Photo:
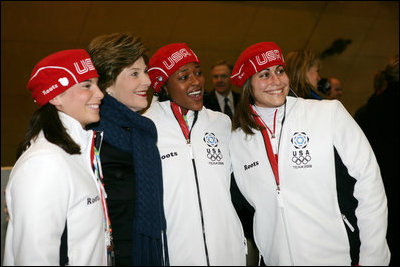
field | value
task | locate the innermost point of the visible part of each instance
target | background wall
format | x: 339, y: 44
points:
x: 5, y: 173
x: 30, y: 30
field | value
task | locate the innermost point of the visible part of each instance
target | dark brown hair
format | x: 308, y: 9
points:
x: 46, y: 118
x: 243, y: 115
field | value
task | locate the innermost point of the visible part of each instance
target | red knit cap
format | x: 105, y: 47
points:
x: 256, y: 58
x: 166, y: 61
x: 59, y: 71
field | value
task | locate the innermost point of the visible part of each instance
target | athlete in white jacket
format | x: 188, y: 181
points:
x: 53, y: 193
x: 202, y: 225
x: 286, y: 170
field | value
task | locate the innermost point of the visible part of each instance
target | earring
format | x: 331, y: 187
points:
x: 109, y: 92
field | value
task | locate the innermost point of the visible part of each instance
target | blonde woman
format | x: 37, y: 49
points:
x: 302, y: 68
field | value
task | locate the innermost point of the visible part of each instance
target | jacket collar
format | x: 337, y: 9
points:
x: 80, y: 136
x: 290, y: 103
x: 166, y: 107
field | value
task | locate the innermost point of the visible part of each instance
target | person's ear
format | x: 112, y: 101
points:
x: 110, y: 90
x: 165, y: 89
x: 56, y: 101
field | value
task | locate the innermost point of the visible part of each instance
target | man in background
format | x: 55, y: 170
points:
x: 379, y: 119
x: 221, y: 98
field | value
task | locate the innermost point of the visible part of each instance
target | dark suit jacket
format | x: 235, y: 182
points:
x: 210, y: 100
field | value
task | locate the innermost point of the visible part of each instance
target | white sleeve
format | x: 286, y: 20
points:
x: 37, y: 198
x: 356, y: 153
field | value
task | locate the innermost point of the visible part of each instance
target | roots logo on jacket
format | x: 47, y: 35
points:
x: 301, y: 157
x: 92, y: 200
x: 214, y: 154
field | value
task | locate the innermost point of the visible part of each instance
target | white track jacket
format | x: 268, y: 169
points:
x: 303, y: 224
x: 197, y: 189
x: 48, y: 187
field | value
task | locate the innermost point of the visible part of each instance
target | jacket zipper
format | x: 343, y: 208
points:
x: 186, y: 130
x: 280, y: 202
x: 281, y: 206
x: 348, y: 223
x: 199, y: 200
x: 163, y: 248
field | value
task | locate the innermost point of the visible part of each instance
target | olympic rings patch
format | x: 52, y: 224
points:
x: 301, y: 157
x: 214, y: 154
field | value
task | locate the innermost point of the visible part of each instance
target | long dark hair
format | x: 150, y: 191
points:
x: 243, y: 117
x: 46, y: 118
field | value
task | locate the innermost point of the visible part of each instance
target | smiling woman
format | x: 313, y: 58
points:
x: 282, y: 151
x: 54, y: 172
x: 203, y: 227
x: 186, y: 87
x: 131, y: 86
x: 129, y: 155
x: 80, y: 102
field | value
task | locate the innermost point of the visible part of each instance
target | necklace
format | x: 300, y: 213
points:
x: 182, y: 120
x: 273, y: 158
x: 96, y: 164
x: 265, y: 125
